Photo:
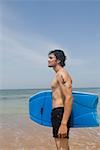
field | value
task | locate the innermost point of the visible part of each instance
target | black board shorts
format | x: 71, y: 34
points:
x: 56, y: 118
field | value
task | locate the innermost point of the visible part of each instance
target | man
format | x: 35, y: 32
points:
x: 61, y: 99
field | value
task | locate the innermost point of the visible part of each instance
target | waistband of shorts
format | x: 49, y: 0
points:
x: 57, y: 108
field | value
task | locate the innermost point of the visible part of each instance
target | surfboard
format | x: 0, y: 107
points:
x: 84, y: 109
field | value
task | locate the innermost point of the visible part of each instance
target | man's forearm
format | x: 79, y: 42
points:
x: 67, y: 110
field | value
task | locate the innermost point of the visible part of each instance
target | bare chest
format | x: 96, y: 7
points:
x: 54, y: 83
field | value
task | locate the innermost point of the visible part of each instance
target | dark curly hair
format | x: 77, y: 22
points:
x: 59, y: 55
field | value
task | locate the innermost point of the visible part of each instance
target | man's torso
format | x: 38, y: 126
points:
x: 57, y: 95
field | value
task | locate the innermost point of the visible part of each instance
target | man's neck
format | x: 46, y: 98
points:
x: 57, y: 68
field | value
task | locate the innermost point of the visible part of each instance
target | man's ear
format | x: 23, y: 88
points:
x: 58, y: 61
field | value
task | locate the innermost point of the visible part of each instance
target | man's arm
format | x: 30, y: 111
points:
x: 66, y: 88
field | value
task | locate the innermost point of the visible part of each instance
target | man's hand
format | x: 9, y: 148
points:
x: 62, y: 132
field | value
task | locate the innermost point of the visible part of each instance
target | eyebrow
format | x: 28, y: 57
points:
x: 51, y: 57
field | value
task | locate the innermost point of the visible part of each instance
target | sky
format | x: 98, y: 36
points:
x: 30, y: 29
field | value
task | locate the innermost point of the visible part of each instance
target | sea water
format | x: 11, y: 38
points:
x: 13, y: 101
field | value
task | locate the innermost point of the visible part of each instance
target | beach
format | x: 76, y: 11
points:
x: 19, y: 132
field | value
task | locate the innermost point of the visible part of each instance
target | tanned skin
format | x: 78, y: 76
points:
x: 61, y: 97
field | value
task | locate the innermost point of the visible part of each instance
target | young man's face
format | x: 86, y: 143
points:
x: 52, y: 61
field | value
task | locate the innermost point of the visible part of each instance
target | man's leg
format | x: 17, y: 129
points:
x: 57, y: 141
x: 62, y: 143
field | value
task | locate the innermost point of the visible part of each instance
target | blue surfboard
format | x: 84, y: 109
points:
x: 84, y: 110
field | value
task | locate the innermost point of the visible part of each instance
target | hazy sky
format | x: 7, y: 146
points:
x: 30, y: 29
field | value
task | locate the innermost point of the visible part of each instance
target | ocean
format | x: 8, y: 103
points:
x: 18, y: 132
x: 14, y: 101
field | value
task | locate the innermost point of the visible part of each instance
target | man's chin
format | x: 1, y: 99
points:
x: 50, y: 66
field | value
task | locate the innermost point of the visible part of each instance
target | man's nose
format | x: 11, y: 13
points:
x: 48, y: 59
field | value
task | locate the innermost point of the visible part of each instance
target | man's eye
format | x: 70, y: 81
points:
x: 50, y: 57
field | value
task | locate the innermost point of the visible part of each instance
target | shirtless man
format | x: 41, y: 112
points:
x: 61, y: 99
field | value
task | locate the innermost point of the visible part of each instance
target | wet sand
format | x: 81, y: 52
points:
x: 18, y: 132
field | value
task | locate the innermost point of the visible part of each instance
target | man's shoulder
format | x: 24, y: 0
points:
x: 66, y: 75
